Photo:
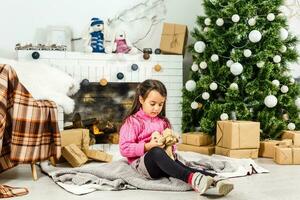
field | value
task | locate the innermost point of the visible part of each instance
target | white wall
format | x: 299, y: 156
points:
x: 20, y: 20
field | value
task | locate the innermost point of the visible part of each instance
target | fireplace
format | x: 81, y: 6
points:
x: 102, y: 108
x: 134, y: 69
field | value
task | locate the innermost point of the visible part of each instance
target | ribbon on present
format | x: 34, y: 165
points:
x: 174, y: 35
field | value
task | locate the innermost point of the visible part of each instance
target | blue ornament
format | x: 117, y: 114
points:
x: 134, y: 67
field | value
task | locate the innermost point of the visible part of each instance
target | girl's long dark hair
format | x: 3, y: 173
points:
x: 143, y: 90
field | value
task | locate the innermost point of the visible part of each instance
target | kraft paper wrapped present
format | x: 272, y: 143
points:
x: 73, y: 154
x: 208, y: 150
x: 267, y: 147
x: 238, y: 134
x: 79, y: 137
x: 98, y: 155
x: 173, y: 39
x: 196, y: 139
x: 294, y: 135
x: 237, y: 153
x: 287, y: 155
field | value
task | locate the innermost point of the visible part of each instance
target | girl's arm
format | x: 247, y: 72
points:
x: 128, y: 144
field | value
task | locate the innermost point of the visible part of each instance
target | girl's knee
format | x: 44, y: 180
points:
x: 156, y: 151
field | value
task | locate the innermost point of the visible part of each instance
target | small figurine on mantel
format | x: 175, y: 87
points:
x: 95, y: 41
x: 121, y: 44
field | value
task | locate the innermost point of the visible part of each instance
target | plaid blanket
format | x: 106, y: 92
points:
x: 28, y: 128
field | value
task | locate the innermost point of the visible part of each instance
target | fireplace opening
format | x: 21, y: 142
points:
x: 101, y: 109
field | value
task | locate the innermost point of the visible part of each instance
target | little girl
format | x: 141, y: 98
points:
x: 145, y: 155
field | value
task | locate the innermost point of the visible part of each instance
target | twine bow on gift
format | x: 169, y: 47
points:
x: 174, y: 41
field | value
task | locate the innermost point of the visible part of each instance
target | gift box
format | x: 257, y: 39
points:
x: 294, y: 135
x: 79, y: 137
x: 238, y: 134
x: 237, y: 153
x: 98, y: 155
x: 208, y: 150
x: 173, y: 39
x: 113, y: 138
x: 287, y: 155
x: 196, y: 139
x: 267, y: 147
x: 73, y: 154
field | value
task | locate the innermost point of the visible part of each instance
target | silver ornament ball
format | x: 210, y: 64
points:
x: 203, y: 65
x: 236, y: 68
x: 270, y: 101
x: 190, y: 85
x: 255, y: 36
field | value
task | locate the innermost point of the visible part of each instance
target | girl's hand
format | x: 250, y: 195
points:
x: 153, y: 143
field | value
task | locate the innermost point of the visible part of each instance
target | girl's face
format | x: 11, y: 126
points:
x: 153, y: 103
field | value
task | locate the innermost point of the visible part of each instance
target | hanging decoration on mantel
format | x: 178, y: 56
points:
x: 139, y: 20
x: 103, y: 82
x: 157, y: 67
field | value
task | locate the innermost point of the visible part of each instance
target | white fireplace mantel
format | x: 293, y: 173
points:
x: 97, y: 66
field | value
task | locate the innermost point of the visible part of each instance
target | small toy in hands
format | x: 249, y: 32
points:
x: 96, y: 35
x: 168, y: 138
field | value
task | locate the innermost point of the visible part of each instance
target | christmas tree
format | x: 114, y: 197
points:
x: 240, y: 69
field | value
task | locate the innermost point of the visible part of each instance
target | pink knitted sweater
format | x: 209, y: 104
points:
x: 136, y: 131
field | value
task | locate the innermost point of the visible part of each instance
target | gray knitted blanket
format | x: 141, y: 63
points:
x: 117, y: 175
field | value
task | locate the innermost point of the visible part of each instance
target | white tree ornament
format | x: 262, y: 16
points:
x: 270, y: 101
x: 190, y: 85
x: 254, y: 36
x: 291, y: 126
x: 292, y: 80
x: 283, y: 49
x: 194, y: 105
x: 236, y: 68
x: 213, y: 86
x: 229, y: 63
x: 214, y: 58
x: 297, y: 102
x: 205, y: 95
x: 234, y: 86
x: 203, y: 65
x: 247, y: 53
x: 276, y: 83
x: 260, y: 64
x: 224, y: 116
x: 277, y: 59
x: 199, y: 46
x: 252, y: 21
x: 283, y: 34
x: 205, y: 29
x: 284, y: 89
x: 195, y: 67
x: 220, y: 22
x: 207, y: 21
x: 235, y: 18
x: 270, y: 17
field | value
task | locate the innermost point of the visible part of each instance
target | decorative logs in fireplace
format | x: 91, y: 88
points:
x: 100, y: 131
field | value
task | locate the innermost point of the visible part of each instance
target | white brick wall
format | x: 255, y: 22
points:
x: 97, y: 66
